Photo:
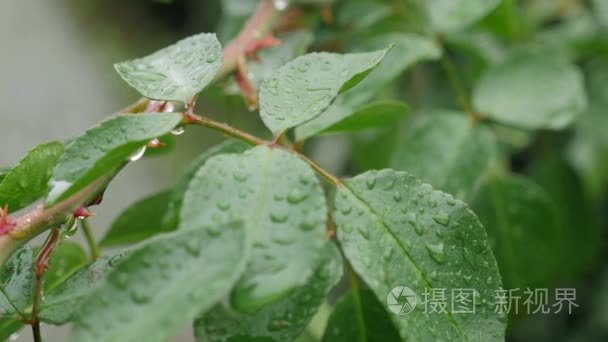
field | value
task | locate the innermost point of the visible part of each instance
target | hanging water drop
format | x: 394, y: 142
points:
x: 179, y: 130
x: 71, y: 228
x: 138, y: 154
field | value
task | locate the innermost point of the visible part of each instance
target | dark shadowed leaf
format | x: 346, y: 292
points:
x: 360, y: 316
x: 448, y: 151
x: 140, y: 221
x: 520, y: 217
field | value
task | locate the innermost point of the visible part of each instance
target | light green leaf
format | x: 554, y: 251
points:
x: 62, y: 302
x: 601, y: 11
x: 281, y: 321
x: 531, y: 91
x: 452, y: 15
x: 447, y: 150
x: 28, y: 180
x: 293, y: 44
x: 163, y: 284
x: 171, y: 216
x: 358, y: 316
x: 67, y: 257
x: 139, y: 221
x: 408, y: 50
x: 520, y: 217
x: 340, y: 117
x: 176, y: 73
x: 16, y: 281
x: 303, y: 88
x: 283, y: 205
x: 397, y: 231
x: 104, y: 148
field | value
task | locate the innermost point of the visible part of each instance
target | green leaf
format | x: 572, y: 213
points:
x: 293, y: 44
x: 343, y: 118
x: 408, y: 49
x: 516, y: 92
x: 104, y: 148
x: 67, y: 258
x: 16, y: 281
x: 139, y: 221
x: 62, y: 302
x: 303, y: 88
x: 520, y: 218
x: 282, y: 203
x: 447, y: 150
x: 281, y: 321
x: 163, y: 284
x: 359, y: 316
x: 453, y: 15
x: 582, y: 233
x: 8, y: 327
x: 176, y: 73
x: 601, y: 11
x: 171, y: 217
x: 28, y: 180
x: 3, y: 173
x: 397, y: 231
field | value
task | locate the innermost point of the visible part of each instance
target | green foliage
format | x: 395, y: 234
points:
x: 476, y: 158
x: 508, y: 94
x: 360, y: 315
x: 306, y: 86
x: 28, y: 180
x: 105, y: 148
x: 138, y: 222
x: 283, y: 320
x: 447, y: 150
x: 281, y: 202
x: 178, y: 72
x: 147, y: 310
x: 396, y: 230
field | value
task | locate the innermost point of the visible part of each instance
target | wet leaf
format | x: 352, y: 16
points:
x: 176, y: 73
x: 28, y: 180
x: 281, y: 321
x: 104, y: 148
x: 303, y: 88
x: 397, y: 231
x: 16, y: 281
x: 280, y: 200
x: 163, y: 284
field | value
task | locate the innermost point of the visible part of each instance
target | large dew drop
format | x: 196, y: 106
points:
x: 138, y: 154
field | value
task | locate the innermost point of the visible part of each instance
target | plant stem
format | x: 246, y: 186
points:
x: 251, y: 139
x: 457, y: 84
x: 88, y: 234
x: 42, y: 261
